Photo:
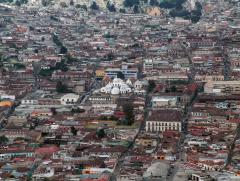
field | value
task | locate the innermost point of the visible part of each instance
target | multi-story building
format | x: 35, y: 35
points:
x: 125, y: 70
x: 222, y: 87
x: 164, y: 101
x: 162, y: 120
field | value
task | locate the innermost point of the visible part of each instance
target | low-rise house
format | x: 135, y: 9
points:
x: 10, y: 153
x: 146, y: 141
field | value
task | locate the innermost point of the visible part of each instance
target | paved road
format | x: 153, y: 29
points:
x: 86, y: 95
x: 141, y: 127
x: 180, y: 147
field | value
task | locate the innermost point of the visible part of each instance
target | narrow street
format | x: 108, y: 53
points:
x: 126, y: 153
x: 188, y: 109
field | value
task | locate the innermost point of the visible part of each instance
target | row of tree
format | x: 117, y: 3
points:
x: 17, y: 2
x: 111, y: 7
x: 62, y: 88
x: 20, y: 2
x: 193, y: 15
x: 169, y: 4
x: 59, y: 66
x: 56, y: 40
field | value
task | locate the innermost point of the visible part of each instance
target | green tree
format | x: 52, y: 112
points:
x: 94, y: 6
x: 46, y: 72
x: 3, y: 140
x: 31, y: 28
x: 74, y: 130
x: 77, y: 110
x: 109, y: 57
x: 128, y: 111
x: 70, y: 59
x: 84, y: 7
x: 100, y: 133
x: 111, y: 7
x: 63, y: 5
x: 19, y: 139
x: 62, y: 88
x: 56, y: 40
x: 180, y: 13
x: 81, y: 6
x: 151, y: 85
x: 154, y: 3
x: 81, y: 167
x: 122, y: 10
x: 18, y: 3
x: 130, y: 3
x: 54, y: 18
x: 71, y: 3
x: 46, y: 2
x: 166, y: 5
x: 198, y: 5
x: 196, y: 14
x: 120, y: 75
x: 61, y: 66
x: 63, y: 50
x: 24, y: 1
x: 53, y: 110
x: 19, y: 66
x: 136, y: 9
x: 173, y: 88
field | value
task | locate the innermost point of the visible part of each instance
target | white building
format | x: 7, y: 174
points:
x: 222, y: 87
x: 6, y: 96
x: 116, y: 87
x: 163, y: 120
x: 69, y: 99
x: 162, y: 101
x: 197, y: 142
x: 125, y: 70
x: 121, y: 87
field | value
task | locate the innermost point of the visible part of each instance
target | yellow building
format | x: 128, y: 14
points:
x: 100, y: 73
x: 146, y: 141
x: 6, y: 104
x: 154, y: 11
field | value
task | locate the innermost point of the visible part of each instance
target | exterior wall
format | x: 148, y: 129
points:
x: 203, y: 78
x: 15, y: 154
x: 100, y: 73
x: 155, y: 11
x: 146, y: 142
x: 127, y: 73
x: 29, y: 102
x: 154, y: 126
x: 69, y: 99
x: 162, y: 103
x: 232, y: 87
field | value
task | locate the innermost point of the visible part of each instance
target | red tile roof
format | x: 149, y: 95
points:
x: 47, y: 150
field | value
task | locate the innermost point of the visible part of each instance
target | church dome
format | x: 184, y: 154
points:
x: 103, y: 89
x: 115, y: 91
x: 129, y: 82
